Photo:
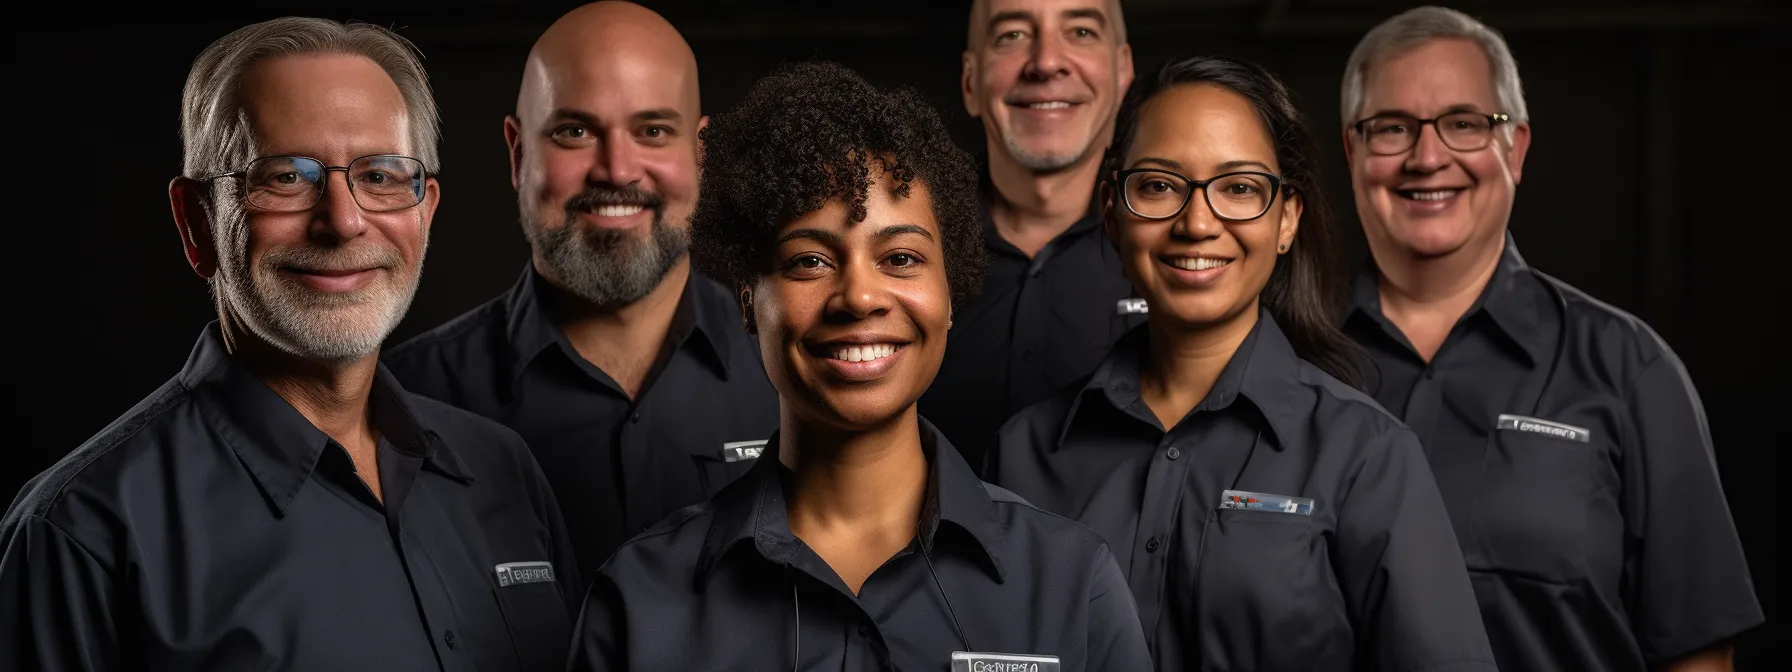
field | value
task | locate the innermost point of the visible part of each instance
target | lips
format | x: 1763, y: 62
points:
x: 1198, y: 263
x: 1428, y: 194
x: 860, y: 358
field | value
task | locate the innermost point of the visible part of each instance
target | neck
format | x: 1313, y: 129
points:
x: 1032, y: 207
x: 578, y: 317
x: 861, y: 480
x: 333, y: 396
x: 1425, y: 296
x: 1185, y: 362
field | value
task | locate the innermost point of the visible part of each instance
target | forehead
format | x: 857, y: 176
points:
x: 1041, y: 9
x: 611, y: 83
x: 1432, y: 77
x: 330, y: 106
x: 1201, y: 126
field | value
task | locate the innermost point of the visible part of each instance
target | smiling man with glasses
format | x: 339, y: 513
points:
x: 1568, y: 442
x: 283, y: 503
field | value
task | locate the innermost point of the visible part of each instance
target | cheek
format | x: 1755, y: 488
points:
x: 674, y: 174
x: 557, y: 174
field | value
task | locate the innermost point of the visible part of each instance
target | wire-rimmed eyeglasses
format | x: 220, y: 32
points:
x: 1154, y: 193
x: 378, y: 182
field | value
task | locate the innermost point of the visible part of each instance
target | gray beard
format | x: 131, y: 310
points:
x: 1045, y: 162
x: 607, y: 267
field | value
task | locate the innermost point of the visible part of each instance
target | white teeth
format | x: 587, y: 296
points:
x: 617, y: 210
x: 1431, y: 195
x: 1199, y: 263
x: 1055, y: 105
x: 864, y: 353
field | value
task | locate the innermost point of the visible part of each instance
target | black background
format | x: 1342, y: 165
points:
x: 1652, y: 182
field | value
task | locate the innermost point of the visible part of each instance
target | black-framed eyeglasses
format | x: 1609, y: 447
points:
x: 1153, y: 193
x: 1390, y: 134
x: 378, y: 182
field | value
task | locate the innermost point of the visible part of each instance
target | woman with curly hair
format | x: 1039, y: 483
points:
x: 847, y: 220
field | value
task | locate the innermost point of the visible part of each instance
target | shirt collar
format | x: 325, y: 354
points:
x: 1091, y: 220
x: 698, y: 322
x: 278, y: 446
x: 1265, y: 371
x: 1511, y: 301
x: 753, y: 508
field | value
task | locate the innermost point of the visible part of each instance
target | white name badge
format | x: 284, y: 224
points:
x: 737, y: 451
x: 978, y: 661
x: 1523, y: 423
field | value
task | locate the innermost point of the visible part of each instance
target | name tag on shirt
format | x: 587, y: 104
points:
x: 1132, y: 307
x: 518, y: 573
x: 1257, y: 501
x: 742, y: 450
x: 978, y: 661
x: 1521, y: 423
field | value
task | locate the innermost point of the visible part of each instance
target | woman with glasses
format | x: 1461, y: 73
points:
x: 860, y: 540
x: 1268, y: 515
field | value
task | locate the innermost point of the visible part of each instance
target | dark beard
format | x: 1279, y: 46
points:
x: 604, y: 266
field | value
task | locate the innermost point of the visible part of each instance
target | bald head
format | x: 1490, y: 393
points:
x: 603, y: 151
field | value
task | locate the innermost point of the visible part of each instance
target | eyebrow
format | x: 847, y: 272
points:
x: 999, y: 18
x: 1087, y: 13
x: 895, y: 230
x: 833, y: 239
x: 1459, y: 107
x: 1221, y: 168
x: 583, y: 117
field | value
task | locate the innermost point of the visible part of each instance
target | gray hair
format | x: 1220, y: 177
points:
x: 1414, y: 27
x: 214, y: 131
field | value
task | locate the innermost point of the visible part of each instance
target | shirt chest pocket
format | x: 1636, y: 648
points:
x: 1265, y: 596
x: 1530, y: 516
x: 540, y: 628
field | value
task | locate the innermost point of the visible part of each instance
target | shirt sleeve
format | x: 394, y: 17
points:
x: 1401, y: 569
x: 1686, y: 568
x: 56, y: 602
x: 600, y: 640
x: 1116, y: 640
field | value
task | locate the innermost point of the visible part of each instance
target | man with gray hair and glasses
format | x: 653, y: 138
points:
x: 283, y: 503
x: 1565, y: 435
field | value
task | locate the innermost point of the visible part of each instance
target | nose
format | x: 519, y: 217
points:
x: 1197, y: 221
x: 618, y: 161
x: 862, y: 292
x: 1428, y: 154
x: 337, y: 217
x: 1047, y: 59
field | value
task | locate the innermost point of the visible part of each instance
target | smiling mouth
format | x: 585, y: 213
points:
x: 1197, y: 263
x: 863, y: 353
x: 617, y: 209
x: 1427, y: 194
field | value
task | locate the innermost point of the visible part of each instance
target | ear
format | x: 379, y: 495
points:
x: 747, y: 319
x: 432, y: 196
x: 1124, y: 66
x: 186, y: 197
x: 1521, y: 145
x: 969, y: 75
x: 702, y: 123
x: 513, y: 139
x: 1110, y: 220
x: 1292, y: 207
x: 1349, y: 149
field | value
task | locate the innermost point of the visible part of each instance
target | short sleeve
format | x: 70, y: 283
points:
x: 1116, y: 640
x: 1402, y: 571
x: 600, y: 640
x: 1688, y: 575
x: 56, y: 602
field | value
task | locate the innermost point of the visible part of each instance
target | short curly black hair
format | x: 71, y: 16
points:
x: 806, y: 135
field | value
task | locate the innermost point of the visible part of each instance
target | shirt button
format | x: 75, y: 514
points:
x: 864, y: 631
x: 635, y: 417
x: 1151, y: 545
x: 448, y: 638
x: 1430, y: 373
x: 1173, y: 452
x: 1027, y: 354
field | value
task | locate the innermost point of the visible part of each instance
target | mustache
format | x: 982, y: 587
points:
x: 612, y: 194
x: 314, y: 258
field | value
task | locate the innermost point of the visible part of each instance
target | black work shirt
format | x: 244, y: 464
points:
x: 214, y: 527
x: 617, y: 465
x: 1589, y: 510
x: 1039, y: 324
x: 1370, y: 579
x: 725, y: 585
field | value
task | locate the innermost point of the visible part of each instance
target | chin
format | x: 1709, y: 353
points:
x: 1431, y: 238
x: 861, y: 411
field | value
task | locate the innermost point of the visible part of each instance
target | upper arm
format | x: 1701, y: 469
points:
x: 600, y: 640
x: 57, y: 601
x: 1688, y: 572
x: 1116, y: 639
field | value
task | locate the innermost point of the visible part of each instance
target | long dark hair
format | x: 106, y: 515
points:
x: 1308, y: 288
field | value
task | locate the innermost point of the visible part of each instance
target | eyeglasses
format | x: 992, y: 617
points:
x: 378, y: 183
x: 1391, y: 134
x: 1150, y: 193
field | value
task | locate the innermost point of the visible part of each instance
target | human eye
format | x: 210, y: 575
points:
x: 806, y: 265
x: 572, y: 135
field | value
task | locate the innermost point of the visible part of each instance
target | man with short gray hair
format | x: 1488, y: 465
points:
x: 1567, y: 440
x: 283, y: 503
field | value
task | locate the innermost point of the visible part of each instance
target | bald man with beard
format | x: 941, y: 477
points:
x: 627, y: 373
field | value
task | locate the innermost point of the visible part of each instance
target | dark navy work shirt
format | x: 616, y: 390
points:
x: 1572, y: 452
x: 1038, y: 324
x: 726, y: 585
x: 214, y: 527
x: 1368, y: 579
x: 618, y: 465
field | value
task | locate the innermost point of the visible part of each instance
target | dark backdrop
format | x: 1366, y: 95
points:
x: 1657, y: 130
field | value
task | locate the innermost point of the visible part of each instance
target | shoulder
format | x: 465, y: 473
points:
x: 1620, y: 338
x: 88, y: 491
x: 1065, y: 537
x: 1044, y: 418
x: 666, y: 549
x: 483, y: 443
x: 474, y: 330
x: 1337, y: 405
